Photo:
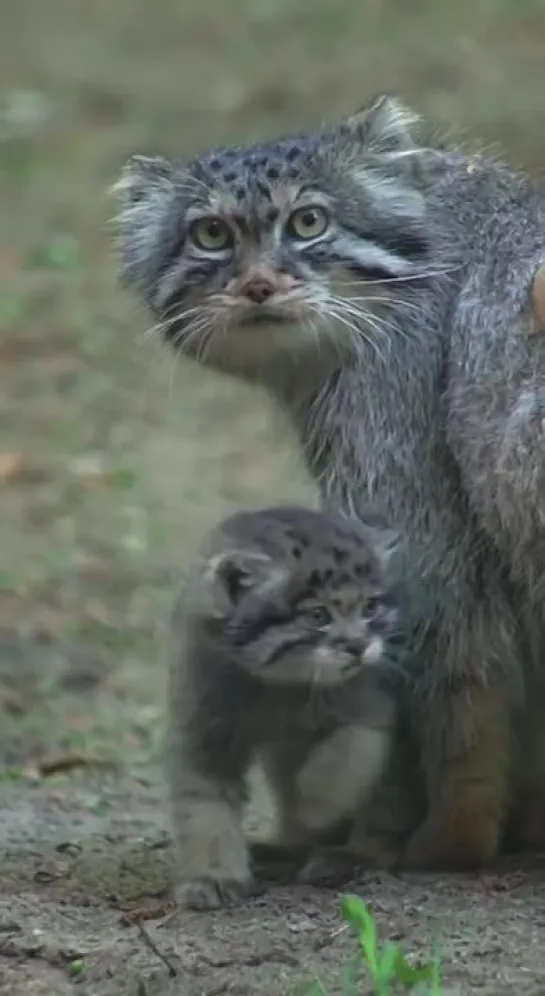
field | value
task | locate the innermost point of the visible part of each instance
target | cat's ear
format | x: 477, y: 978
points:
x: 386, y: 127
x: 143, y: 178
x: 234, y: 573
x: 145, y: 192
x: 386, y: 153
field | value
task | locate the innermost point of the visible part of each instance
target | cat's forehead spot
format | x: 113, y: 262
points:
x: 362, y: 570
x: 262, y: 167
x: 274, y: 161
x: 315, y: 579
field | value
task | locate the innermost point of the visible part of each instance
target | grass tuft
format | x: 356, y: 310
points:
x: 386, y: 966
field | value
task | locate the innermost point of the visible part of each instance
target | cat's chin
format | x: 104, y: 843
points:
x: 268, y: 353
x: 269, y: 318
x: 247, y: 348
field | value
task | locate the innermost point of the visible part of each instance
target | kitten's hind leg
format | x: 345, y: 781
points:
x: 338, y: 774
x: 318, y: 798
x: 279, y: 859
x: 287, y: 848
x: 377, y: 834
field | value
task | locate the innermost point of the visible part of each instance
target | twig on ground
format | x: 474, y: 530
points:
x: 58, y: 763
x: 150, y: 943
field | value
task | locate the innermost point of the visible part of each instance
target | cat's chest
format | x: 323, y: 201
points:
x: 281, y: 713
x: 293, y: 714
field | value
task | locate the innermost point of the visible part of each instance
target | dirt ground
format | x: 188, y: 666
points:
x: 114, y: 458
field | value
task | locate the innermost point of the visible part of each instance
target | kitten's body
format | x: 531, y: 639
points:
x: 413, y: 369
x: 256, y: 676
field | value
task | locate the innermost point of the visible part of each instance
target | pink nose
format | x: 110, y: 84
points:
x: 258, y: 289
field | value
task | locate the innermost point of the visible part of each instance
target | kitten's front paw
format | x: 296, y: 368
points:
x: 329, y: 867
x: 208, y: 894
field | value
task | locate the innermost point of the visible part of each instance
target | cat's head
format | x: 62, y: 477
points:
x: 319, y: 614
x: 287, y: 248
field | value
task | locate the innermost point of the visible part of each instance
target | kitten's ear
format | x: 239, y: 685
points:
x: 232, y: 574
x: 386, y: 127
x: 145, y: 192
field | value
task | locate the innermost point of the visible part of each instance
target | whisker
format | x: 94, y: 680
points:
x: 379, y: 323
x: 318, y: 337
x: 189, y: 333
x: 406, y: 278
x: 364, y: 315
x: 356, y: 331
x: 374, y: 299
x: 206, y: 342
x: 170, y: 319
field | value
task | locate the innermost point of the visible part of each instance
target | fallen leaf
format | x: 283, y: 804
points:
x: 12, y: 467
x: 155, y: 911
x: 57, y: 763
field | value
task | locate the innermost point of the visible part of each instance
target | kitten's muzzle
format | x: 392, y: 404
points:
x: 353, y: 647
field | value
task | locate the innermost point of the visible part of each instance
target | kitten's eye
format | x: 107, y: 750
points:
x: 372, y: 605
x: 308, y: 222
x: 211, y: 234
x: 319, y: 615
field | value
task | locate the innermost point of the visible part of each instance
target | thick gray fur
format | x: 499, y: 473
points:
x: 248, y: 683
x: 430, y: 409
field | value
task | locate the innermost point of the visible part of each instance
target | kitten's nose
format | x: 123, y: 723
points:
x: 354, y: 647
x: 258, y: 288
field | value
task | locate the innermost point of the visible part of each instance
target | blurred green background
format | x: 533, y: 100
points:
x: 113, y: 455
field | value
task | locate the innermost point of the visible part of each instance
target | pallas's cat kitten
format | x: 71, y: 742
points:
x: 280, y: 644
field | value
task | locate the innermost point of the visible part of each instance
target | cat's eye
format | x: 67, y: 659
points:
x: 211, y: 234
x: 309, y: 222
x: 372, y: 605
x: 319, y: 615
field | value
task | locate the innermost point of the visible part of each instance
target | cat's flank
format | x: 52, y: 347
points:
x: 279, y: 654
x: 380, y: 287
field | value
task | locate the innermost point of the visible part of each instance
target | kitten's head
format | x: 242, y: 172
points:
x: 310, y: 604
x: 284, y: 249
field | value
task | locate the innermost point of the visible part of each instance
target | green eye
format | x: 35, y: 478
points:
x: 308, y: 222
x: 211, y: 234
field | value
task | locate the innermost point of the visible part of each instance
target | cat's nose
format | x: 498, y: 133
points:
x: 258, y: 289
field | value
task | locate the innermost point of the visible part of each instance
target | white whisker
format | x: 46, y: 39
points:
x: 355, y: 330
x: 405, y: 279
x: 187, y: 335
x: 379, y: 323
x: 369, y: 299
